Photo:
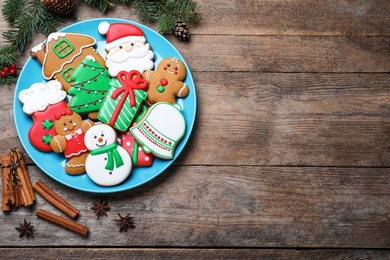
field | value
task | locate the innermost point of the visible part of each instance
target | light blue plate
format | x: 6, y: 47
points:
x: 52, y: 163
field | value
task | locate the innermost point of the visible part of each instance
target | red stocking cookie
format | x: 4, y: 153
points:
x: 42, y: 101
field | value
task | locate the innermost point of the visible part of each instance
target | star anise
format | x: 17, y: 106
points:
x: 25, y: 229
x: 100, y: 208
x: 126, y: 222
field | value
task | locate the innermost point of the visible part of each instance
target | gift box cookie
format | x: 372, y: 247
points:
x: 125, y: 97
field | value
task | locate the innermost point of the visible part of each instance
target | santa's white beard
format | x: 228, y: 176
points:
x: 139, y: 58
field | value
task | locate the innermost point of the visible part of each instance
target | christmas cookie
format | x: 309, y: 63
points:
x: 160, y: 130
x: 107, y: 164
x: 166, y: 83
x: 90, y: 86
x: 62, y: 53
x: 42, y: 101
x: 126, y: 48
x: 69, y: 140
x: 125, y: 97
x: 138, y: 156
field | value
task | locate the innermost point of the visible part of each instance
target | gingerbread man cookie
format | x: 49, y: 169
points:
x: 70, y: 129
x: 166, y: 83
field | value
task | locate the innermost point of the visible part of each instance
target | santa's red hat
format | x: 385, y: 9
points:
x: 119, y: 33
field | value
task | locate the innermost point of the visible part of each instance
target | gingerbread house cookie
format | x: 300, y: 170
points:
x: 62, y: 53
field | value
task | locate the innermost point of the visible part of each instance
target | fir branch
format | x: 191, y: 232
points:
x: 8, y: 55
x: 146, y: 9
x: 47, y: 24
x: 102, y: 5
x: 185, y: 10
x: 166, y: 22
x: 11, y: 9
x: 25, y: 27
x: 8, y: 80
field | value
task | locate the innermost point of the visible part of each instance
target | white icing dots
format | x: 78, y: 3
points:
x: 128, y: 143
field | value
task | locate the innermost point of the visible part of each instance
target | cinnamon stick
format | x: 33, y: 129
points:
x: 63, y: 222
x: 8, y: 192
x: 55, y: 199
x: 24, y: 191
x: 25, y: 173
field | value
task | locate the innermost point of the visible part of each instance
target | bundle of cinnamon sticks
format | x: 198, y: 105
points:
x: 16, y: 184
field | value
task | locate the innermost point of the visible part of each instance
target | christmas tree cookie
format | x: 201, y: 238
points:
x: 42, y: 101
x: 91, y: 83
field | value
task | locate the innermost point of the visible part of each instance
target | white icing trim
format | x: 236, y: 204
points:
x: 37, y: 48
x: 58, y: 143
x: 55, y: 36
x: 181, y: 90
x: 119, y: 41
x: 147, y: 75
x: 75, y: 165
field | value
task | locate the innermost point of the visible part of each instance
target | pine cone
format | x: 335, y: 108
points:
x: 181, y: 30
x: 61, y: 7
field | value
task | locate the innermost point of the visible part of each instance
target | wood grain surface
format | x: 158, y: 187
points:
x: 289, y: 157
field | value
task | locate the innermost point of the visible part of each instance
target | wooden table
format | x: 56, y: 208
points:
x: 289, y: 157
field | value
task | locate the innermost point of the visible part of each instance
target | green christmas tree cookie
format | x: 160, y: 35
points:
x: 91, y: 84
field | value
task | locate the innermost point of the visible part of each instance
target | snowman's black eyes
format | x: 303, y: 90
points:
x: 120, y: 47
x: 132, y: 44
x: 102, y: 135
x: 95, y: 136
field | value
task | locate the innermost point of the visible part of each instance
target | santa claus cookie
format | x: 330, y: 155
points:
x: 69, y: 140
x: 160, y: 130
x: 107, y: 164
x: 42, y: 101
x: 166, y: 83
x: 126, y: 48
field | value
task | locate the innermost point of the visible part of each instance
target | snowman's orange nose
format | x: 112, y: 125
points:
x: 100, y: 139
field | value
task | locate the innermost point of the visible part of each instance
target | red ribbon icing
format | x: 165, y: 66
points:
x: 131, y: 81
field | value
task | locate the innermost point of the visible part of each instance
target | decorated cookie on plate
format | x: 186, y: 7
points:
x: 166, y: 83
x: 107, y: 164
x: 126, y: 48
x: 90, y: 86
x: 124, y: 100
x: 138, y: 156
x: 160, y: 130
x: 42, y: 101
x: 70, y: 129
x: 62, y: 53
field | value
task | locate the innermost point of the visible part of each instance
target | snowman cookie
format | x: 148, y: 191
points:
x: 108, y: 164
x: 166, y: 83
